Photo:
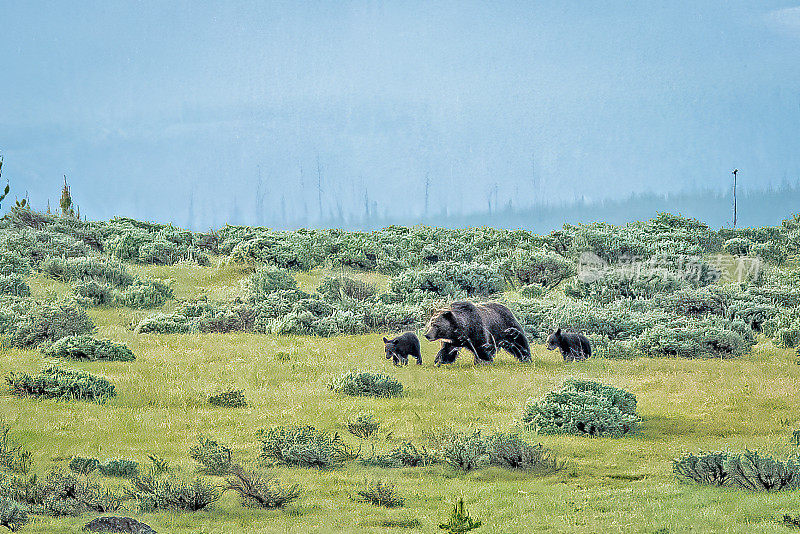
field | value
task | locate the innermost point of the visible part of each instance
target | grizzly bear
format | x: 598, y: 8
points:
x: 483, y: 329
x: 573, y: 347
x: 403, y: 346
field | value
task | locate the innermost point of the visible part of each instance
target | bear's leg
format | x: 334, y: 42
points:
x: 447, y: 354
x: 516, y: 343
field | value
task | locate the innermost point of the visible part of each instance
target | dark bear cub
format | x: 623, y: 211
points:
x: 403, y: 346
x: 483, y: 329
x: 573, y: 347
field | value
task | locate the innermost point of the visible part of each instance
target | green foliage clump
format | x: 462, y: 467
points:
x: 100, y: 269
x: 343, y: 287
x: 367, y: 384
x: 260, y: 491
x: 144, y: 294
x: 13, y: 284
x: 13, y: 515
x: 232, y: 398
x: 167, y: 491
x: 405, y: 455
x: 61, y: 383
x: 738, y: 246
x: 512, y: 452
x: 448, y: 279
x: 466, y: 450
x: 583, y: 408
x: 619, y: 283
x: 541, y: 268
x: 159, y: 252
x: 93, y: 292
x: 748, y: 470
x: 689, y: 338
x: 119, y: 468
x: 268, y: 280
x: 62, y: 493
x: 161, y: 323
x: 13, y: 456
x: 460, y: 521
x: 380, y: 493
x: 86, y: 347
x: 215, y: 457
x: 363, y: 426
x: 304, y: 446
x: 11, y: 263
x: 34, y: 323
x: 84, y: 466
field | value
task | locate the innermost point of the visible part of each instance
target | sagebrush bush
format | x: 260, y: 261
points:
x: 39, y: 322
x: 119, y: 468
x: 268, y: 280
x: 144, y: 294
x: 100, y: 269
x: 94, y: 293
x: 13, y: 515
x: 86, y: 347
x: 366, y: 383
x: 583, y: 408
x: 448, y: 279
x: 168, y: 491
x: 343, y: 287
x: 215, y: 457
x: 159, y: 252
x: 380, y: 493
x: 161, y: 323
x: 260, y: 491
x: 83, y: 466
x: 748, y: 470
x: 62, y: 493
x: 13, y: 456
x: 541, y: 268
x: 11, y: 263
x: 466, y: 450
x: 232, y: 398
x: 363, y: 426
x: 14, y: 284
x: 513, y: 452
x: 304, y: 446
x: 61, y: 383
x: 405, y: 455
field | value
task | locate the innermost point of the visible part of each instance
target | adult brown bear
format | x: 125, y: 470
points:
x: 483, y: 329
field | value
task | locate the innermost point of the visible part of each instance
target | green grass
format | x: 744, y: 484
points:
x: 610, y: 485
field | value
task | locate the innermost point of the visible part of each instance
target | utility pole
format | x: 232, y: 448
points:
x: 734, y: 173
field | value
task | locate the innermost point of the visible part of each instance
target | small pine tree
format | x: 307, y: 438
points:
x: 460, y: 521
x: 66, y: 200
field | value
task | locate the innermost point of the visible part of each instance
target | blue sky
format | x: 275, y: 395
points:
x: 169, y: 111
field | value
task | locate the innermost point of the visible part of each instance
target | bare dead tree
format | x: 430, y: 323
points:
x: 734, y: 173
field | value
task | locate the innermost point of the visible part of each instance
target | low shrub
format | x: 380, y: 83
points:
x: 232, y: 398
x: 96, y: 268
x: 13, y: 284
x: 304, y: 446
x: 46, y: 322
x: 268, y: 280
x: 61, y: 383
x: 465, y: 450
x: 366, y: 383
x: 448, y: 279
x: 364, y: 426
x: 380, y: 493
x: 583, y: 408
x: 13, y: 515
x: 541, y: 268
x: 159, y: 252
x: 406, y: 455
x: 93, y: 293
x: 260, y: 491
x: 343, y: 287
x: 460, y: 521
x: 119, y: 468
x: 170, y: 492
x: 161, y: 323
x: 62, y: 493
x: 83, y: 466
x: 13, y: 456
x: 512, y: 452
x: 144, y: 294
x: 212, y: 455
x: 747, y: 470
x: 86, y: 347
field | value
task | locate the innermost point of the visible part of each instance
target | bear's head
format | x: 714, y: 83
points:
x: 389, y: 345
x: 442, y: 326
x: 554, y: 340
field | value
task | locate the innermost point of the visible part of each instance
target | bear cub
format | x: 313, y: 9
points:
x: 573, y: 347
x: 401, y: 347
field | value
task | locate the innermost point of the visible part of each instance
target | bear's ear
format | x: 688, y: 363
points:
x: 558, y: 332
x: 385, y: 340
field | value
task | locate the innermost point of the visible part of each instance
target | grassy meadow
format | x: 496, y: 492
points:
x: 608, y: 485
